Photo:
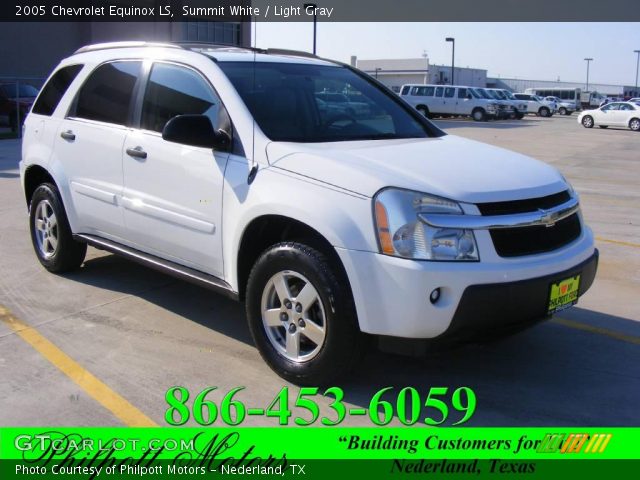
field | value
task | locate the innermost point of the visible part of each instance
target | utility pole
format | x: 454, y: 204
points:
x: 453, y: 55
x: 588, y: 60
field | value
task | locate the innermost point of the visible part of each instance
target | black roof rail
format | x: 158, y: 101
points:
x: 132, y: 44
x: 295, y: 53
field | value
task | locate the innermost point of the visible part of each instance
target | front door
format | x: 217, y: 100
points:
x: 172, y: 195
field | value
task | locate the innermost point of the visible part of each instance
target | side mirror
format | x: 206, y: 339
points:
x: 196, y: 131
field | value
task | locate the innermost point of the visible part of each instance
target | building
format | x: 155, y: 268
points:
x: 520, y: 85
x: 31, y: 50
x: 396, y: 72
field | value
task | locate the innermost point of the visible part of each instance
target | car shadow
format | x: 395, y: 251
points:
x: 553, y: 374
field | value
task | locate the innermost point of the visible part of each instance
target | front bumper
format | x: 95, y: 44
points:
x: 487, y: 311
x: 392, y: 294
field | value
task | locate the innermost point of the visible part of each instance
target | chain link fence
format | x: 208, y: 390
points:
x: 17, y: 94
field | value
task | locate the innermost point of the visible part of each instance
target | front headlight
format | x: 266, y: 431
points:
x: 402, y: 234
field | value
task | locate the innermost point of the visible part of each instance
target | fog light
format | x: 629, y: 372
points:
x: 435, y: 295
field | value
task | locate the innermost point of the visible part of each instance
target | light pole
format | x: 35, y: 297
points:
x: 637, y: 52
x: 588, y: 60
x: 315, y: 21
x: 453, y: 55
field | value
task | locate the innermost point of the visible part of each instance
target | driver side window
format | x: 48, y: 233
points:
x: 174, y: 90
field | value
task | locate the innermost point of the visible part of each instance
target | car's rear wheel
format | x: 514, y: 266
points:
x: 424, y: 111
x: 587, y: 121
x: 301, y: 316
x: 51, y: 235
x: 562, y: 111
x: 634, y: 124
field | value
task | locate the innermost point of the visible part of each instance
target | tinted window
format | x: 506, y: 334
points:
x: 287, y: 100
x: 462, y: 93
x: 173, y: 90
x: 449, y: 92
x: 626, y: 107
x: 106, y: 95
x: 405, y: 90
x: 55, y: 89
x: 439, y: 91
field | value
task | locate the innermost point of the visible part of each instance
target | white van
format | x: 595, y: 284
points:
x: 449, y: 100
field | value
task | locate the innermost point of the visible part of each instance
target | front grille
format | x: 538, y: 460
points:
x: 515, y: 242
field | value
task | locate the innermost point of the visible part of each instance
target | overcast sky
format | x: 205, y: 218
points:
x: 540, y: 51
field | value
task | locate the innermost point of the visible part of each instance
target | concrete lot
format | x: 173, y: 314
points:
x: 140, y: 332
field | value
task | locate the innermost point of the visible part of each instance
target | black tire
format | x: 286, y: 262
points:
x: 562, y: 111
x: 634, y: 124
x: 544, y: 112
x: 587, y: 121
x: 519, y: 116
x: 603, y: 126
x: 479, y: 115
x: 343, y: 343
x: 424, y: 111
x: 68, y: 254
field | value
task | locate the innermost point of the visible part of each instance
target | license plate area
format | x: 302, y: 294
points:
x: 563, y: 294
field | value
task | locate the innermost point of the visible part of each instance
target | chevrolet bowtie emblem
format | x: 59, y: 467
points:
x: 547, y: 218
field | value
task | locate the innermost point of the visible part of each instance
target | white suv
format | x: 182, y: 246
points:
x: 219, y: 166
x: 537, y: 105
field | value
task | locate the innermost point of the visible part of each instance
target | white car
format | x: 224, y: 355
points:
x: 615, y: 114
x: 214, y: 164
x: 537, y: 105
x: 563, y: 107
x: 448, y: 100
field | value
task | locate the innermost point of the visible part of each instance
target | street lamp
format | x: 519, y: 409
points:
x: 453, y: 55
x: 635, y: 94
x: 588, y: 60
x: 315, y: 22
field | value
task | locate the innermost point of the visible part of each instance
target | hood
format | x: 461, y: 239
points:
x: 448, y: 166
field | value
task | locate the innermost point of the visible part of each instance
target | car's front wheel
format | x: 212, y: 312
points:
x: 634, y: 124
x: 587, y: 121
x: 51, y: 235
x: 301, y: 316
x: 562, y: 111
x: 544, y: 112
x: 479, y: 115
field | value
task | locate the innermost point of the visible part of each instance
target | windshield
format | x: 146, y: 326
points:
x: 498, y: 94
x: 9, y: 90
x: 477, y: 93
x: 318, y: 103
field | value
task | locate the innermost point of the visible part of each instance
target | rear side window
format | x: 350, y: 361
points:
x: 405, y: 90
x: 439, y: 91
x: 173, y: 90
x: 106, y: 94
x: 462, y: 93
x: 449, y: 92
x: 54, y: 90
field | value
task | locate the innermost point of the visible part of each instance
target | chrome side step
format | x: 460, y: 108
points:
x: 165, y: 266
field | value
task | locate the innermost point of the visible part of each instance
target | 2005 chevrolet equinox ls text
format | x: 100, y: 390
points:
x: 332, y: 220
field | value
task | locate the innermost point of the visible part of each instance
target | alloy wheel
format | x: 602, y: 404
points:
x: 46, y: 229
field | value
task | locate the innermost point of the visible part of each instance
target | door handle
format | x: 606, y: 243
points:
x: 137, y: 152
x: 68, y: 135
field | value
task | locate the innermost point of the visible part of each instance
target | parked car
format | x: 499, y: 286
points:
x: 615, y: 114
x: 563, y: 107
x: 433, y: 100
x: 519, y: 107
x: 15, y: 102
x: 505, y: 107
x: 536, y: 104
x: 222, y: 173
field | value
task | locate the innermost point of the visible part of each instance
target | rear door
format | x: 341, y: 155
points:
x: 173, y: 193
x: 89, y: 141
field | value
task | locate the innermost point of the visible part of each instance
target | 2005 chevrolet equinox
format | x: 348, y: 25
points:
x: 302, y: 187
